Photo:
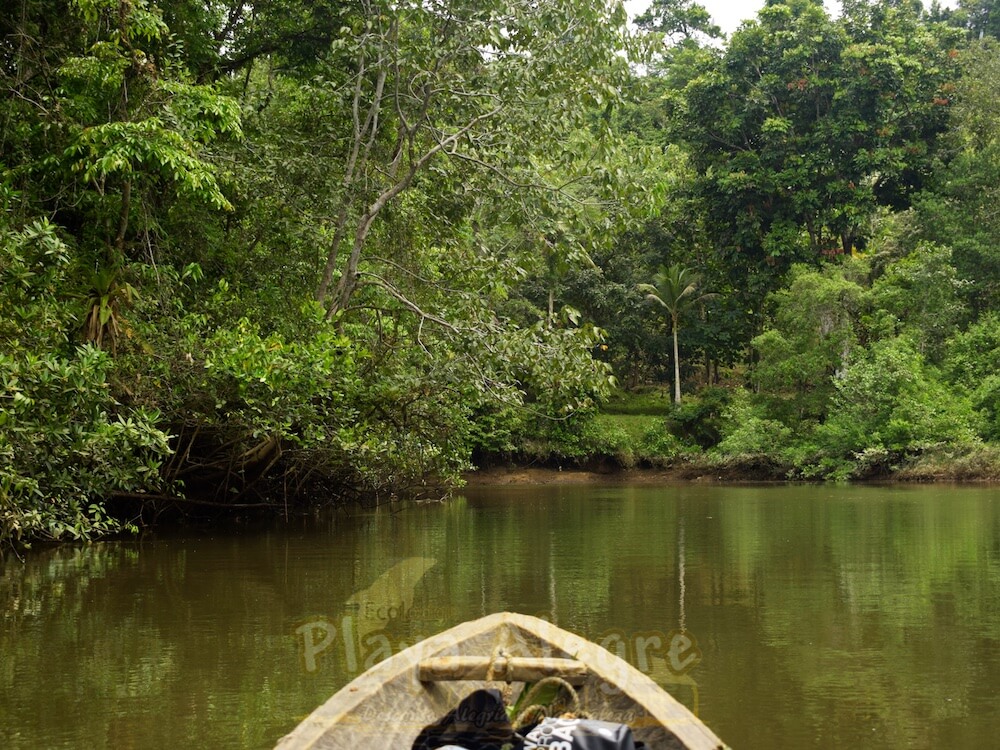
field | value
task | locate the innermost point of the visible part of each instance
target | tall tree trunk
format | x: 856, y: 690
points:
x: 677, y: 366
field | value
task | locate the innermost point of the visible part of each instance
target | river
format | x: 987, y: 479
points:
x: 822, y: 616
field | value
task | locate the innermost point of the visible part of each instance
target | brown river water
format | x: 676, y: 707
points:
x: 814, y: 616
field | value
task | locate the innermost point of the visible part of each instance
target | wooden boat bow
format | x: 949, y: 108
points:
x: 388, y: 705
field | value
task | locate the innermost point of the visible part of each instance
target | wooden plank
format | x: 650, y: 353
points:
x: 507, y: 669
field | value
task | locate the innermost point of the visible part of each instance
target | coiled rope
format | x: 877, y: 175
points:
x: 535, y: 712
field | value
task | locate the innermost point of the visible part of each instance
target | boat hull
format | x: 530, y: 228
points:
x: 387, y: 706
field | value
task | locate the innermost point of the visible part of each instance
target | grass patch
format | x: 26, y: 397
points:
x: 633, y: 426
x: 645, y: 401
x: 634, y: 440
x: 634, y: 429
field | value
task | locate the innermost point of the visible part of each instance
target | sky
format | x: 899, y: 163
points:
x: 729, y: 13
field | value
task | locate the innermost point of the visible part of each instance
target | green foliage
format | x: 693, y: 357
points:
x: 103, y: 302
x: 845, y: 382
x: 634, y: 430
x: 891, y: 404
x: 629, y: 441
x: 985, y: 398
x: 659, y: 447
x: 634, y: 440
x: 812, y: 338
x: 698, y: 421
x: 315, y: 402
x: 960, y: 212
x: 919, y: 296
x: 353, y: 245
x: 555, y: 371
x: 639, y: 345
x: 974, y: 354
x: 108, y: 129
x: 415, y: 101
x: 673, y: 289
x: 806, y: 124
x: 124, y: 148
x: 653, y: 401
x: 34, y: 261
x: 978, y: 18
x: 972, y: 363
x: 678, y: 20
x: 747, y: 432
x: 65, y: 449
x: 65, y: 443
x: 267, y: 386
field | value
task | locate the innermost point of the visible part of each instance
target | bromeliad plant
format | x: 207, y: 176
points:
x: 103, y: 322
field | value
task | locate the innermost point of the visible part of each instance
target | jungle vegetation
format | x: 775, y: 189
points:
x: 279, y: 252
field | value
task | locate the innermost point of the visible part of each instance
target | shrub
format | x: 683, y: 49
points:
x: 746, y: 431
x: 66, y: 449
x: 699, y: 420
x: 889, y: 405
x: 65, y: 443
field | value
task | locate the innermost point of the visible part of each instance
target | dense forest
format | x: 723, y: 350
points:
x: 280, y: 252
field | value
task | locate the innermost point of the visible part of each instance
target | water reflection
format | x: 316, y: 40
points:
x: 820, y: 616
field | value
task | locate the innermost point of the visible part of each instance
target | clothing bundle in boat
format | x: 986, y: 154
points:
x: 580, y: 734
x: 480, y: 722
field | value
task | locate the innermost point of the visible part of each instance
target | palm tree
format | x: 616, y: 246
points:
x: 674, y: 289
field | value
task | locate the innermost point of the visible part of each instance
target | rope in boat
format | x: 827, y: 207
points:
x: 535, y: 712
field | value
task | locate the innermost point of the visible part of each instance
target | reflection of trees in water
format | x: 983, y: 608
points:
x: 149, y: 649
x: 877, y: 605
x: 812, y: 607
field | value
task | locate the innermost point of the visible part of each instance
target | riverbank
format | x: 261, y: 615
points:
x: 605, y: 470
x: 980, y: 464
x: 719, y: 434
x: 500, y: 476
x: 503, y: 475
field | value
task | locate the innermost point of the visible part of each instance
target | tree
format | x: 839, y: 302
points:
x: 806, y: 125
x: 480, y: 86
x: 980, y: 18
x: 104, y: 128
x: 65, y: 442
x: 918, y: 296
x: 972, y: 365
x: 960, y: 211
x: 674, y: 290
x: 888, y: 405
x: 680, y: 21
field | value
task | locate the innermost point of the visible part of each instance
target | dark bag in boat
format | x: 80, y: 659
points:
x: 580, y: 734
x: 479, y: 722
